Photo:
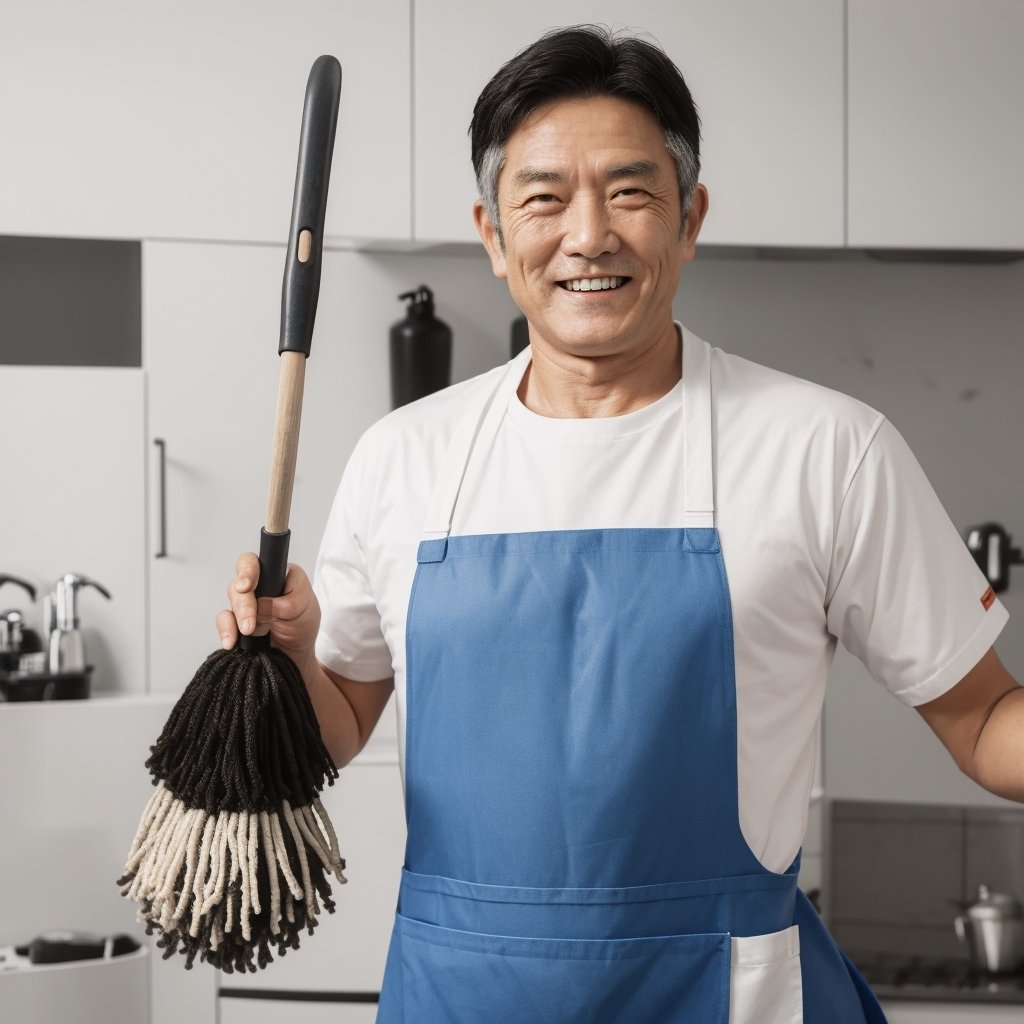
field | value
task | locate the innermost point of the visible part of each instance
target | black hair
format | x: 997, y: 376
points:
x: 583, y: 61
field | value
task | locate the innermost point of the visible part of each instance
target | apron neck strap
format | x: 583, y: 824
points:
x: 474, y: 432
x: 478, y: 427
x: 698, y: 473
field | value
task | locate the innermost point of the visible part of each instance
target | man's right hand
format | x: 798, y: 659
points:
x: 293, y: 618
x: 347, y: 711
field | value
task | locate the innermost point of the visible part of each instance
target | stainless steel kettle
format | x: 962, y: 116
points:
x: 993, y: 929
x: 66, y: 650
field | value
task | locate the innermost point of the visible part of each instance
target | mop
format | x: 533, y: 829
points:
x: 231, y: 859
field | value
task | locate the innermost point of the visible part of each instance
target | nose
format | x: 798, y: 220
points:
x: 588, y: 228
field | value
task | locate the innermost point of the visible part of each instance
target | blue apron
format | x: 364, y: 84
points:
x: 574, y: 851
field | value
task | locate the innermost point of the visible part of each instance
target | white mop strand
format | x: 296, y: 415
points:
x: 332, y: 836
x: 168, y: 836
x: 169, y: 843
x: 303, y: 816
x: 216, y: 863
x: 148, y: 824
x: 242, y: 843
x: 154, y: 847
x: 282, y: 859
x: 203, y: 869
x: 191, y: 866
x: 214, y: 892
x: 327, y: 854
x: 186, y: 865
x: 174, y: 862
x: 254, y: 863
x: 229, y: 923
x: 300, y: 848
x: 275, y: 885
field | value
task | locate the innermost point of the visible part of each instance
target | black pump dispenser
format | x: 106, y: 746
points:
x: 421, y: 350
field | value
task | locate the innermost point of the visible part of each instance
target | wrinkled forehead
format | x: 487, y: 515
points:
x: 598, y: 135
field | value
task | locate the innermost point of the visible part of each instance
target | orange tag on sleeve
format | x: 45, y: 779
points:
x: 988, y: 599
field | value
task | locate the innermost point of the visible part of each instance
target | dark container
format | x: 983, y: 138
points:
x: 421, y: 350
x: 19, y: 686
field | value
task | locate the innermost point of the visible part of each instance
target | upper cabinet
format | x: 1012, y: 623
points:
x: 935, y: 131
x: 826, y: 123
x: 767, y: 80
x: 128, y: 120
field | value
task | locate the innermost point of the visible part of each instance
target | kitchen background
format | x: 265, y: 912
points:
x: 865, y: 233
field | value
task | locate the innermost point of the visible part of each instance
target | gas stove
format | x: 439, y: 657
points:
x: 920, y: 978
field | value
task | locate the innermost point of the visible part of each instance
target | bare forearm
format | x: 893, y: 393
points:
x: 998, y: 762
x: 339, y: 725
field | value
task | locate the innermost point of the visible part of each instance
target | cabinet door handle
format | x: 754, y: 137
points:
x: 162, y: 497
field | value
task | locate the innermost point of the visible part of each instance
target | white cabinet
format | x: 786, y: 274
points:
x: 211, y: 315
x: 935, y: 130
x: 74, y: 792
x: 767, y: 80
x: 75, y: 467
x: 273, y: 1011
x: 128, y: 120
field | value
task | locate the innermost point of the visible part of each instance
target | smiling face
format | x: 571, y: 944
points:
x: 593, y: 241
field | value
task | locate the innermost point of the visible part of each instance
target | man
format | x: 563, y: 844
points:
x: 606, y: 582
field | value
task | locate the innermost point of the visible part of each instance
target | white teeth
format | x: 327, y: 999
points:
x: 592, y: 284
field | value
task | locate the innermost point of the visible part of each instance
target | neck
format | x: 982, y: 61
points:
x: 567, y: 386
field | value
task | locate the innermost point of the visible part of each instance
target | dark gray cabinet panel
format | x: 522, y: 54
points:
x: 70, y: 302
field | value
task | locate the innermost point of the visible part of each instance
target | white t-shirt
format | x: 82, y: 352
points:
x: 829, y: 529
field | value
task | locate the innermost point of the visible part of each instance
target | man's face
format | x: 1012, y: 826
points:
x: 589, y: 197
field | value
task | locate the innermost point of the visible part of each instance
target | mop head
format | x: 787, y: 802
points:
x: 232, y: 855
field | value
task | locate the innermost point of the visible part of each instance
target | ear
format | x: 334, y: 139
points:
x: 489, y: 236
x: 695, y: 215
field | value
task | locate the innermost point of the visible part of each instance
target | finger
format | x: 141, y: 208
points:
x: 227, y: 627
x: 247, y: 572
x: 292, y: 605
x: 295, y: 579
x: 244, y: 608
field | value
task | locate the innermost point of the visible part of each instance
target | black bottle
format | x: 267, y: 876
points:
x: 421, y: 350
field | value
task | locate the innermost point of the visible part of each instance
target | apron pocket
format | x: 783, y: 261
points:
x: 457, y: 977
x: 766, y: 984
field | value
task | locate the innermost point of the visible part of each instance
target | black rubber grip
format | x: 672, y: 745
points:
x: 273, y: 570
x: 301, y: 287
x: 273, y: 563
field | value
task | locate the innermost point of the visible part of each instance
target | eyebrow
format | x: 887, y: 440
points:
x: 646, y: 169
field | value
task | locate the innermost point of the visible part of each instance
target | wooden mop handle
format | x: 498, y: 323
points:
x: 286, y: 440
x: 299, y: 293
x: 275, y: 535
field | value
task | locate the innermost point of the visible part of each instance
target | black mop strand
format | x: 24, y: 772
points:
x: 231, y: 857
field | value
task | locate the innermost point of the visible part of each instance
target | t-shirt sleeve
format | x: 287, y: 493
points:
x: 350, y: 641
x: 904, y: 594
